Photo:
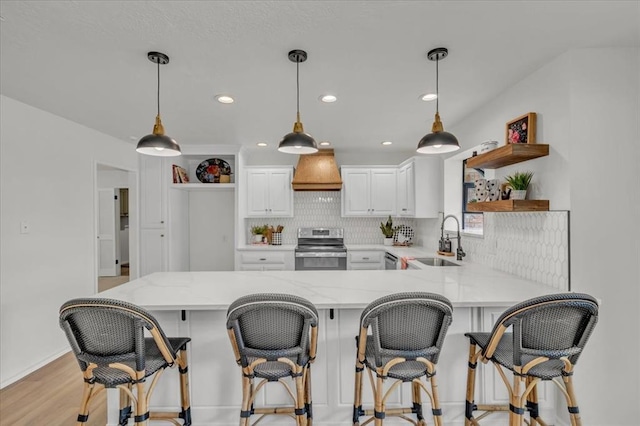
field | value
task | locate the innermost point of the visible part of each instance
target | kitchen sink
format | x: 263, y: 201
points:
x: 435, y: 261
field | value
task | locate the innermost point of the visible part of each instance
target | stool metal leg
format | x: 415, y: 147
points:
x: 308, y: 403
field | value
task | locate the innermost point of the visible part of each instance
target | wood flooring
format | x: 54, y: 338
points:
x: 50, y: 396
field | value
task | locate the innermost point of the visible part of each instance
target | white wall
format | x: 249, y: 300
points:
x: 605, y: 236
x: 46, y: 179
x: 588, y: 112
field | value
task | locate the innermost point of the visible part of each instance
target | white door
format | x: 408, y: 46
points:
x: 107, y: 204
x: 280, y: 190
x: 356, y: 192
x: 152, y: 251
x: 383, y: 192
x: 257, y: 192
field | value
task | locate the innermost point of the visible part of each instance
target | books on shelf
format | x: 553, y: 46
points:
x: 180, y: 174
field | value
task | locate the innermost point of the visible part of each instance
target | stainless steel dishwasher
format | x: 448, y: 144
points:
x: 390, y: 261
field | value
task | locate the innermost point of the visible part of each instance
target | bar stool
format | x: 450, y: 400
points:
x: 108, y: 339
x: 548, y: 334
x: 407, y: 333
x: 274, y: 336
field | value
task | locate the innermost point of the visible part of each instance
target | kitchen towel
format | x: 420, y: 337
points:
x: 404, y: 260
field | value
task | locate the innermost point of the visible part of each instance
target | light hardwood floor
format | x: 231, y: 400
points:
x: 50, y: 396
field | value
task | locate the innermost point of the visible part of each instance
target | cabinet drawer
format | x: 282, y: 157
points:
x: 365, y: 256
x: 261, y: 257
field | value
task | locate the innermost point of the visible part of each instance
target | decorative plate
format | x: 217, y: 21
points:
x: 209, y: 171
x: 404, y: 235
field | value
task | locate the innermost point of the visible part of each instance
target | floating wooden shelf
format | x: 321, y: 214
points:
x: 507, y: 155
x: 204, y: 186
x: 510, y: 206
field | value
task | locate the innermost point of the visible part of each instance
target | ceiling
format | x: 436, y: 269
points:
x: 87, y: 61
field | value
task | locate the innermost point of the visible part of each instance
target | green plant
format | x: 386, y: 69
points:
x: 519, y: 181
x: 387, y: 228
x: 259, y: 230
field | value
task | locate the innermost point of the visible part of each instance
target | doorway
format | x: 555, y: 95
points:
x: 115, y: 226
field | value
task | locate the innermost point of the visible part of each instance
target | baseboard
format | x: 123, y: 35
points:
x: 31, y: 369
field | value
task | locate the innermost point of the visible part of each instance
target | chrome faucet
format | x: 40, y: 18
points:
x: 459, y: 252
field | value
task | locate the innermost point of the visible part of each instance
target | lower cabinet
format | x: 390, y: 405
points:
x: 266, y: 261
x: 365, y: 259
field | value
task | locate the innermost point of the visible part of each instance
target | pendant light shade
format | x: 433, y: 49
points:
x: 438, y: 141
x: 298, y: 142
x: 157, y: 143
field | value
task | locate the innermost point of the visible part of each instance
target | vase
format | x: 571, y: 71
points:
x: 257, y: 238
x: 388, y: 241
x: 518, y: 194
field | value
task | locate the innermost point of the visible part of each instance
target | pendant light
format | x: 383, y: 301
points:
x: 298, y: 142
x: 438, y: 141
x: 157, y: 143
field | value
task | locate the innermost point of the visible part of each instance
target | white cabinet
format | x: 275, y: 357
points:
x: 365, y: 259
x: 153, y: 252
x: 266, y: 260
x: 369, y: 191
x: 269, y: 192
x: 165, y: 213
x: 419, y: 187
x: 153, y: 192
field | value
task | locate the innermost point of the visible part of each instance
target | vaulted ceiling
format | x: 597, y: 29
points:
x: 87, y: 62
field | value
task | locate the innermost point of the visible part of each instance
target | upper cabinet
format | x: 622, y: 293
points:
x: 269, y: 192
x: 507, y: 155
x: 419, y: 187
x: 369, y: 191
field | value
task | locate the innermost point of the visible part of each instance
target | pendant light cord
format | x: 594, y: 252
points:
x: 158, y: 62
x: 298, y: 85
x: 437, y: 91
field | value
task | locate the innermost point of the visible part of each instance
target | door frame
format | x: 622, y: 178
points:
x: 134, y: 218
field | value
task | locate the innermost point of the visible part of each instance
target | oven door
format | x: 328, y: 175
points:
x: 321, y: 261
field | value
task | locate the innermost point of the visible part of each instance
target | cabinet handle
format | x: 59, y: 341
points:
x: 404, y: 210
x: 162, y: 221
x: 162, y: 235
x: 365, y: 258
x: 263, y: 258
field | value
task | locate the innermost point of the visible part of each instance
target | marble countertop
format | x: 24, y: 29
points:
x: 470, y: 285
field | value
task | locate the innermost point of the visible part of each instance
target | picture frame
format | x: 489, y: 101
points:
x: 521, y: 130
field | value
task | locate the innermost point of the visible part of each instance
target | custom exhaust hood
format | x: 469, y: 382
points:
x: 317, y: 172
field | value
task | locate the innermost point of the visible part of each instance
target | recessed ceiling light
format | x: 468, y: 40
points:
x: 386, y: 143
x: 325, y: 143
x: 428, y: 97
x: 328, y: 98
x: 261, y: 144
x: 224, y: 99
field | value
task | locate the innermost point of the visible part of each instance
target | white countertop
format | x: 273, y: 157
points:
x: 466, y: 286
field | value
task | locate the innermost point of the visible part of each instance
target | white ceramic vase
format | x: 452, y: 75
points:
x: 257, y: 238
x: 520, y: 194
x: 388, y: 241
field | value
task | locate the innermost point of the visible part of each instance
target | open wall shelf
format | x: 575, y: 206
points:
x: 507, y: 155
x: 509, y: 206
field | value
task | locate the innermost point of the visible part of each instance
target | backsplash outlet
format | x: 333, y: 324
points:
x: 323, y: 209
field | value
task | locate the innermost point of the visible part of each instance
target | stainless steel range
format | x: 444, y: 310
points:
x: 321, y: 249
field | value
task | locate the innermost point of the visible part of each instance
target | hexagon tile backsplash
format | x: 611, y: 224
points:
x: 532, y: 245
x: 323, y: 209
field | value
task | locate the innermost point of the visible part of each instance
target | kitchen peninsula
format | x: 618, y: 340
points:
x: 194, y: 304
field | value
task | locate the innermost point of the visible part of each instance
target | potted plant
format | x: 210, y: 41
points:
x: 257, y: 232
x: 519, y: 183
x: 388, y: 230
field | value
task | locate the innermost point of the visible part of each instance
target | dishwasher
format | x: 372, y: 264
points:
x: 390, y: 261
